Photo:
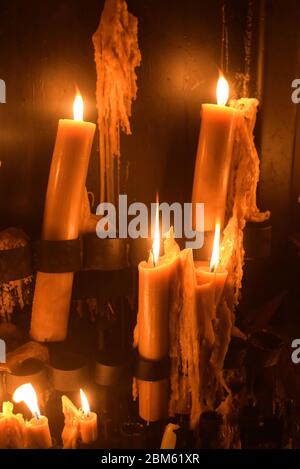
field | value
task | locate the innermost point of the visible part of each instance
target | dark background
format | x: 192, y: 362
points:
x: 46, y: 51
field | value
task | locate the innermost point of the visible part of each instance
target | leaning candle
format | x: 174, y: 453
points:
x: 37, y: 429
x: 80, y: 424
x: 155, y: 278
x: 214, y: 157
x: 62, y: 218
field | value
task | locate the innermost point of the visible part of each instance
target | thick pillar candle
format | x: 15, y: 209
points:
x: 37, y: 431
x: 214, y: 155
x: 62, y: 217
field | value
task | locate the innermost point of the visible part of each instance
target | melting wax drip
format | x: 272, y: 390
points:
x: 241, y: 202
x: 15, y: 293
x: 117, y: 55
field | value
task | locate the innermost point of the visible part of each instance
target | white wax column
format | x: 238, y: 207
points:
x: 62, y: 217
x: 213, y: 162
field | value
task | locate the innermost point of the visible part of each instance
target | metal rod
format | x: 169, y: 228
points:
x: 261, y: 50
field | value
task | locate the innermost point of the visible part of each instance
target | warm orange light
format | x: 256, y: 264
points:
x: 78, y: 108
x: 215, y: 257
x: 27, y: 394
x: 84, y: 404
x: 222, y: 91
x: 156, y: 240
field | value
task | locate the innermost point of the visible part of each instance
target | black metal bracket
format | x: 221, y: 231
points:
x: 151, y: 370
x: 59, y: 256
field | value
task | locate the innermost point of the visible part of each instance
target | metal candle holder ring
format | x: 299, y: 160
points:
x: 104, y: 254
x: 98, y: 283
x: 109, y: 374
x: 257, y: 239
x: 57, y: 256
x: 139, y: 250
x: 68, y: 372
x: 30, y: 371
x: 152, y: 370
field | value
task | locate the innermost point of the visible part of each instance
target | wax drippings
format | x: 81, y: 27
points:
x: 117, y: 55
x: 200, y: 326
x: 200, y: 331
x: 241, y: 201
x: 71, y: 431
x: 13, y: 434
x: 16, y: 293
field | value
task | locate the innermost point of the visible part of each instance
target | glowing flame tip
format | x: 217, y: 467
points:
x: 156, y: 241
x: 222, y: 91
x: 84, y: 404
x: 27, y: 394
x: 215, y: 257
x: 78, y: 108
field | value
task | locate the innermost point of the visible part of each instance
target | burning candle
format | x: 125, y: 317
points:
x: 88, y: 421
x: 211, y: 279
x: 37, y: 429
x: 80, y: 424
x: 211, y: 272
x: 12, y: 428
x: 155, y: 277
x: 62, y: 217
x: 214, y: 154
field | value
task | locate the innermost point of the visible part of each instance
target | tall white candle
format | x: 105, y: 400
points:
x: 62, y: 219
x: 214, y: 155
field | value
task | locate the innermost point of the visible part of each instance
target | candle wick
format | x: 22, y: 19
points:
x: 86, y: 414
x: 214, y: 268
x: 153, y: 258
x: 37, y: 416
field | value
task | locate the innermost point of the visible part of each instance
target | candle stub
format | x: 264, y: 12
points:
x: 80, y: 424
x: 37, y: 429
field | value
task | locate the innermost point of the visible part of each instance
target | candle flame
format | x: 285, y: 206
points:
x: 215, y: 257
x: 222, y: 91
x: 27, y: 394
x: 78, y: 108
x: 156, y: 241
x: 85, y: 406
